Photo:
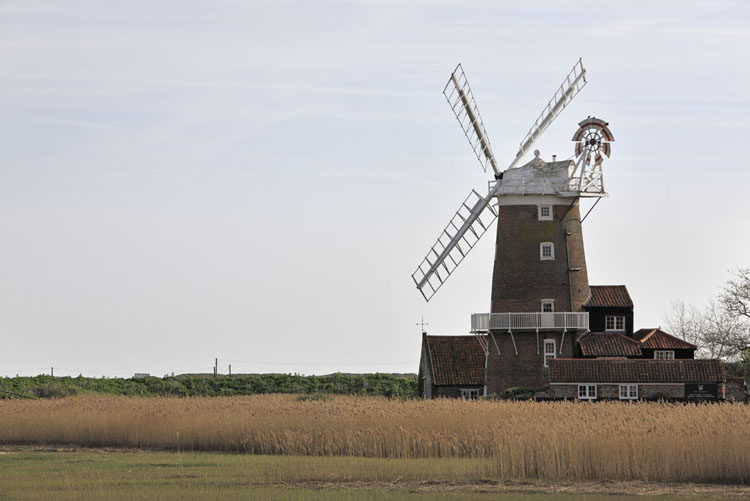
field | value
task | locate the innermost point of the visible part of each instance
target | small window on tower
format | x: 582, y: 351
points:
x: 545, y: 212
x: 550, y: 346
x: 547, y: 251
x: 548, y: 305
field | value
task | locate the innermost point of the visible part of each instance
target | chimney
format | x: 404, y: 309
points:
x: 554, y: 158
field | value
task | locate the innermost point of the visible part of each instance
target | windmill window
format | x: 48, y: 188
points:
x: 545, y: 213
x: 550, y: 350
x: 664, y: 354
x: 547, y: 251
x: 614, y: 323
x: 548, y: 305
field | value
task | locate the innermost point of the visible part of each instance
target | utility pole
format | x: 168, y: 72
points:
x: 52, y: 371
x: 230, y: 369
x: 216, y: 366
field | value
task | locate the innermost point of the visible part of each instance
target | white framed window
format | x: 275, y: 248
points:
x: 550, y: 350
x: 587, y: 392
x: 545, y: 213
x: 547, y: 251
x: 628, y: 392
x: 469, y: 394
x: 664, y: 354
x: 612, y: 323
x: 548, y: 305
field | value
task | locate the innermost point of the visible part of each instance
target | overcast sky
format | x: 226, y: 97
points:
x: 256, y: 181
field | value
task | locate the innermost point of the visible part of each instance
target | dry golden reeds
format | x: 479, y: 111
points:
x: 518, y: 440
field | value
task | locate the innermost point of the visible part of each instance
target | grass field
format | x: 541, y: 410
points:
x: 499, y: 441
x: 106, y: 474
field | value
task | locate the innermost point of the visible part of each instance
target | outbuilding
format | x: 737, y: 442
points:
x: 451, y: 366
x: 636, y: 379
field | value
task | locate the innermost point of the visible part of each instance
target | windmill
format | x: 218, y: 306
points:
x: 568, y: 179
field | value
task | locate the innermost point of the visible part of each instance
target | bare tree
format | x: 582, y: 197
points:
x: 735, y: 295
x: 717, y: 331
x: 686, y: 322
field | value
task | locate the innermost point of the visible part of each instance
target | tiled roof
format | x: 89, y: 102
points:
x: 656, y: 339
x: 609, y: 295
x: 456, y: 360
x: 581, y: 370
x: 609, y: 345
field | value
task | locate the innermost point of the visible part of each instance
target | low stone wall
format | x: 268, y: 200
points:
x: 454, y: 391
x: 612, y: 391
x: 657, y: 391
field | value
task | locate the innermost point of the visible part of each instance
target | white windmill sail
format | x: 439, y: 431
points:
x: 572, y: 85
x: 475, y: 215
x: 464, y: 106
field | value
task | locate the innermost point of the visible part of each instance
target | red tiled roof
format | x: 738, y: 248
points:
x: 456, y: 360
x: 656, y: 339
x: 581, y: 370
x: 609, y: 345
x: 609, y: 295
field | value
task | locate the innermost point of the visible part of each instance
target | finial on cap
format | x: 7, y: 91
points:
x: 536, y: 153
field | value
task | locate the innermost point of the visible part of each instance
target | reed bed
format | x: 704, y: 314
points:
x: 656, y: 442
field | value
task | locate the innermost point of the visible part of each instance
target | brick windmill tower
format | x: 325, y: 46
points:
x: 539, y: 281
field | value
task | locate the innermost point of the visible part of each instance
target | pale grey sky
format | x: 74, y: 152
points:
x: 256, y: 181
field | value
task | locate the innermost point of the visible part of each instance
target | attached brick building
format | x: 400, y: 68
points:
x: 587, y: 379
x: 451, y: 366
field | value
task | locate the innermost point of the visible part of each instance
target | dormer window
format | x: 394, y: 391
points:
x: 612, y: 323
x: 545, y: 213
x: 664, y: 354
x: 548, y: 305
x: 547, y: 251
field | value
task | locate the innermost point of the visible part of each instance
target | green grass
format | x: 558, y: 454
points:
x: 92, y: 474
x: 387, y: 385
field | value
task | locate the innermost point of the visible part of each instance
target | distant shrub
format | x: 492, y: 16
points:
x: 387, y: 385
x: 52, y: 390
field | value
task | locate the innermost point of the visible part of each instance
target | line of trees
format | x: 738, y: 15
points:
x: 722, y: 328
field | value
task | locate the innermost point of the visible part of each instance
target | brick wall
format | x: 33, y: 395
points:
x: 661, y: 391
x: 520, y: 278
x: 527, y: 368
x: 566, y: 391
x: 425, y: 372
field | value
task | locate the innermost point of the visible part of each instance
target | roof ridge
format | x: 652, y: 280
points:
x: 429, y: 354
x: 674, y: 337
x: 644, y: 338
x: 612, y: 334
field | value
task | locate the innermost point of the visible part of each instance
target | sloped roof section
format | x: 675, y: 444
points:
x: 657, y: 339
x: 456, y: 360
x: 582, y: 370
x: 599, y: 344
x: 616, y: 296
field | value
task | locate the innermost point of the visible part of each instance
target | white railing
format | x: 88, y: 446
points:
x: 483, y: 322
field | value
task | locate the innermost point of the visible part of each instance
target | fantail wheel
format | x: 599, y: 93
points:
x: 593, y: 135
